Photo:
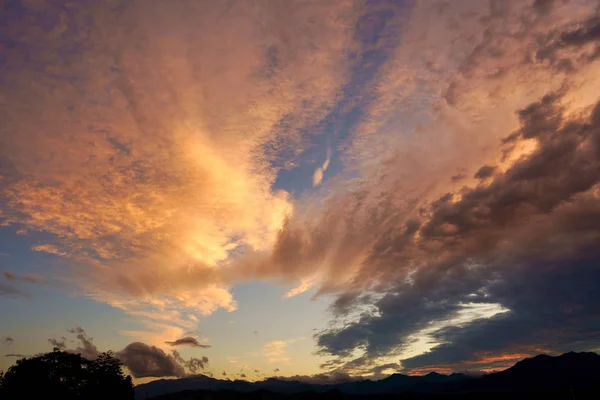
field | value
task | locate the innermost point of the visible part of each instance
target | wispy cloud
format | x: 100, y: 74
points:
x: 318, y: 174
x: 188, y: 341
x: 276, y: 351
x: 153, y: 193
x: 301, y: 288
x: 7, y: 340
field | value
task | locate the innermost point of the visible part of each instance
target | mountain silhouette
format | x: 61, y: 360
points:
x: 555, y: 376
x: 570, y: 370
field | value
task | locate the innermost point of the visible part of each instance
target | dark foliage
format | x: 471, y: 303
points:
x: 66, y: 376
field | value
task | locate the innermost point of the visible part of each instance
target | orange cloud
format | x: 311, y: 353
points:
x: 158, y: 163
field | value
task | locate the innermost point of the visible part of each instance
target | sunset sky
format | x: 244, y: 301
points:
x: 321, y: 188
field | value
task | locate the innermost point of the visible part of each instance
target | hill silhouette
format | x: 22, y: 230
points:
x: 571, y: 375
x: 570, y: 370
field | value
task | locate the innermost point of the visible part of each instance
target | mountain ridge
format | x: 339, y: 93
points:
x: 541, y: 372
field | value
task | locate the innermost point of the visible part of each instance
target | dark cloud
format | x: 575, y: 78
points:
x: 485, y: 172
x: 521, y: 240
x: 543, y: 6
x: 144, y: 361
x: 571, y: 49
x: 194, y: 365
x: 32, y: 279
x: 86, y: 348
x: 9, y: 290
x: 58, y: 343
x: 141, y: 359
x: 188, y: 341
x: 14, y: 355
x: 242, y: 375
x: 457, y: 177
x: 9, y: 275
x: 8, y: 340
x: 381, y: 370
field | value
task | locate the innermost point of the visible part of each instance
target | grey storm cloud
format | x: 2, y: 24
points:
x: 524, y: 238
x: 188, y: 341
x: 144, y: 361
x: 529, y: 234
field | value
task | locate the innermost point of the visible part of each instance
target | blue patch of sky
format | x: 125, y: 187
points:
x: 45, y: 310
x: 264, y: 315
x: 378, y: 32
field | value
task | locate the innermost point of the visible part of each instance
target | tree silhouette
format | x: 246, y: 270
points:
x: 66, y: 376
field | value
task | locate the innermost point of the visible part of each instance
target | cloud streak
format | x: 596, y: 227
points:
x: 188, y: 341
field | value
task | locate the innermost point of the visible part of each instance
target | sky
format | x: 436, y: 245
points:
x: 315, y: 190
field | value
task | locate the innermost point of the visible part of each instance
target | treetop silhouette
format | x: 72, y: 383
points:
x: 66, y: 376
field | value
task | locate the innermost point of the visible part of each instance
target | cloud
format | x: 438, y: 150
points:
x: 7, y: 340
x: 188, y: 341
x: 485, y: 172
x: 86, y: 348
x: 9, y: 276
x: 12, y: 288
x: 194, y: 364
x: 499, y: 243
x: 144, y: 361
x: 385, y: 369
x: 409, y: 247
x: 301, y: 288
x: 11, y: 291
x: 14, y: 355
x: 318, y: 174
x: 145, y: 197
x: 275, y: 351
x: 141, y: 359
x: 60, y: 344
